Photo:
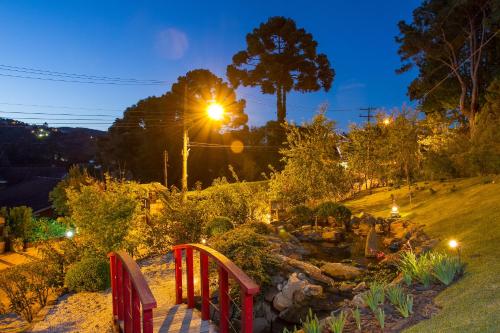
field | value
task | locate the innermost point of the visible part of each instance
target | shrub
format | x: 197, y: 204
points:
x: 21, y: 222
x: 45, y: 228
x: 218, y: 225
x: 380, y: 315
x: 16, y: 286
x: 89, y: 274
x: 300, y: 215
x: 375, y: 296
x: 261, y: 228
x: 342, y: 215
x: 326, y: 209
x: 337, y: 323
x: 311, y: 324
x: 248, y: 250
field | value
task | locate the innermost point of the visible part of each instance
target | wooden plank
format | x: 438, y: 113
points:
x: 180, y: 319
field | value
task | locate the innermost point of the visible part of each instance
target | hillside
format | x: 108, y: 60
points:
x: 468, y: 211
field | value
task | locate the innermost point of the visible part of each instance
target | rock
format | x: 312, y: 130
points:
x: 269, y: 313
x: 360, y: 287
x: 261, y: 325
x: 313, y: 290
x: 277, y: 279
x: 270, y: 294
x: 301, y: 276
x: 372, y: 247
x: 359, y: 301
x: 391, y: 260
x: 293, y: 284
x: 368, y: 219
x: 281, y: 302
x: 312, y: 271
x: 341, y: 271
x: 294, y: 314
x: 346, y: 287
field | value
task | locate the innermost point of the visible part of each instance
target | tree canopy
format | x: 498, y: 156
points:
x: 454, y: 45
x: 279, y: 58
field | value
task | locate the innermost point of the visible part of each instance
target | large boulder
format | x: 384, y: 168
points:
x: 341, y: 271
x: 296, y: 292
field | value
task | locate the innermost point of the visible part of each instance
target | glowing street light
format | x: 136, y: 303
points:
x: 215, y: 111
x: 453, y: 244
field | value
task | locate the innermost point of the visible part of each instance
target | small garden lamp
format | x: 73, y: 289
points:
x: 69, y: 234
x: 394, y: 210
x: 203, y: 241
x: 455, y: 246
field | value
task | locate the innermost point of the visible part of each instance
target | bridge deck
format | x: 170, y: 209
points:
x: 180, y: 319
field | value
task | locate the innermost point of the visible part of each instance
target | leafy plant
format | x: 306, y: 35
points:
x: 17, y: 288
x: 357, y: 317
x: 337, y: 323
x: 380, y: 315
x: 446, y: 268
x: 311, y: 324
x: 89, y: 274
x: 218, y: 225
x: 375, y: 296
x: 405, y: 306
x: 419, y: 268
x: 394, y: 294
x: 300, y: 215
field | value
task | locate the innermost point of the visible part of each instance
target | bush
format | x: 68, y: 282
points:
x: 248, y: 250
x: 342, y: 215
x: 89, y: 274
x: 21, y: 222
x: 325, y: 210
x: 300, y: 216
x: 17, y: 288
x: 218, y: 225
x: 45, y: 228
x: 260, y: 227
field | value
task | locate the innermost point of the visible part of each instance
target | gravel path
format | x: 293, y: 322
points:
x: 87, y: 312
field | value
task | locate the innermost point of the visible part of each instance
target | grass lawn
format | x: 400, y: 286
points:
x: 467, y: 210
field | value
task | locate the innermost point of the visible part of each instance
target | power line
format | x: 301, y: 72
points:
x: 60, y: 107
x: 29, y: 70
x: 369, y: 114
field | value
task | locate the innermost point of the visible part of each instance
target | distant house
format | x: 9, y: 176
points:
x: 29, y: 186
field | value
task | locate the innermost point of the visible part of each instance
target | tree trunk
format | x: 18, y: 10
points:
x: 279, y: 105
x: 283, y: 103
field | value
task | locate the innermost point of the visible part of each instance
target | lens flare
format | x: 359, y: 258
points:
x: 237, y: 146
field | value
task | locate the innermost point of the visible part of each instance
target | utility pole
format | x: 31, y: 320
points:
x: 185, y: 149
x: 369, y: 114
x: 165, y: 166
x: 368, y: 117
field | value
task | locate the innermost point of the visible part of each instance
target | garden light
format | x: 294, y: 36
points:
x: 394, y: 211
x: 69, y: 234
x: 453, y: 244
x: 203, y: 241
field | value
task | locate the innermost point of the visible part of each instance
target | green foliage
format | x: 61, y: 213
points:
x: 357, y: 317
x: 105, y: 213
x: 240, y: 202
x: 300, y: 215
x: 17, y: 288
x: 429, y: 266
x: 394, y: 294
x: 260, y: 228
x: 21, y: 222
x: 313, y: 169
x: 45, y: 229
x: 380, y: 315
x: 405, y: 306
x: 74, y: 180
x: 248, y: 250
x: 375, y: 296
x: 280, y: 57
x: 337, y: 323
x: 218, y: 225
x: 58, y: 257
x: 311, y: 323
x: 446, y: 268
x: 326, y: 209
x: 89, y: 274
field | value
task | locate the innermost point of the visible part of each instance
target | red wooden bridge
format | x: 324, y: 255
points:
x: 135, y: 308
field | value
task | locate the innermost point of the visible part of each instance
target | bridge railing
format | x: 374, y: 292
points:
x: 226, y: 269
x: 133, y: 301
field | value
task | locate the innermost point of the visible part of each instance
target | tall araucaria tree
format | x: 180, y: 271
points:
x: 454, y: 45
x: 279, y: 58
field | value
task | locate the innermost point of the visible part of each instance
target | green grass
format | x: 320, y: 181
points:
x: 471, y: 215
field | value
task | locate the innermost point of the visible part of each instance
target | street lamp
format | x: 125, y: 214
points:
x: 215, y: 111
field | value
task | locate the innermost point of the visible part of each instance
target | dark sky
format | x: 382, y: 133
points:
x: 162, y: 40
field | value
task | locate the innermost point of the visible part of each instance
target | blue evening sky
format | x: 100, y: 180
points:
x: 164, y: 39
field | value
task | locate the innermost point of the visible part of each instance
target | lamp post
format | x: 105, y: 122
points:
x: 215, y: 111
